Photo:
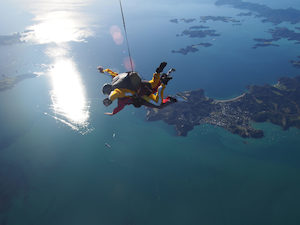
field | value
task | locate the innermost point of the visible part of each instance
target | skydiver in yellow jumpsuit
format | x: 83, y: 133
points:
x: 155, y: 83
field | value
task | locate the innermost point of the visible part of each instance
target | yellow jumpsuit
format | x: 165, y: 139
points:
x: 123, y: 92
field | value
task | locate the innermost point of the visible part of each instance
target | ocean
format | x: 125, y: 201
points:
x: 63, y: 162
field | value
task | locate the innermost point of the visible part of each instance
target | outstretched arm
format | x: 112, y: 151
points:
x: 113, y: 74
x: 122, y: 102
x: 102, y: 70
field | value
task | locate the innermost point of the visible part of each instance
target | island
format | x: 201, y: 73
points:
x: 14, y: 38
x: 204, y: 19
x: 245, y: 14
x: 278, y: 33
x: 191, y: 48
x: 199, y: 33
x: 190, y: 20
x: 198, y: 27
x: 296, y: 63
x: 264, y: 43
x: 275, y: 16
x: 9, y: 82
x: 224, y: 19
x: 284, y: 33
x: 278, y: 104
x: 174, y: 20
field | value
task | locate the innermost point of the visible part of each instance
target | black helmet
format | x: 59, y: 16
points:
x: 106, y: 89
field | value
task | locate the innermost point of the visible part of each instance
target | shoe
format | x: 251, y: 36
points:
x: 172, y: 99
x: 161, y: 67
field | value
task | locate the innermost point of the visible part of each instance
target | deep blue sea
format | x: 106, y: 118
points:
x: 63, y: 162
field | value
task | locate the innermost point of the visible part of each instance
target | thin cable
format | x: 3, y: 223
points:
x: 124, y: 25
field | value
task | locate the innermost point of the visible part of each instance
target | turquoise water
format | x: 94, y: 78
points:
x: 56, y: 171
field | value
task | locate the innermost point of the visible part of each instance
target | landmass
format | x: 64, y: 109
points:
x: 283, y: 32
x: 278, y: 33
x: 278, y: 104
x: 224, y: 19
x: 190, y: 20
x: 245, y: 14
x: 191, y: 48
x: 199, y: 33
x: 11, y: 39
x: 9, y: 82
x: 296, y: 63
x: 275, y: 16
x: 198, y: 27
x: 204, y: 19
x: 264, y: 43
x: 174, y: 20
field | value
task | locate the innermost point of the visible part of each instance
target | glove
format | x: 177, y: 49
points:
x: 165, y: 79
x: 101, y: 69
x: 161, y: 67
x: 107, y: 102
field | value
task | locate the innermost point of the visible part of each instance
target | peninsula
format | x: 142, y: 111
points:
x: 278, y: 104
x: 275, y: 16
x: 9, y: 82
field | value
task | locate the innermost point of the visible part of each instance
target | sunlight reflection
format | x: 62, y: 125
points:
x: 57, y: 23
x: 57, y: 27
x: 68, y: 94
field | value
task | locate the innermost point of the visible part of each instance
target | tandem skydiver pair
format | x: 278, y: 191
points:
x: 130, y: 89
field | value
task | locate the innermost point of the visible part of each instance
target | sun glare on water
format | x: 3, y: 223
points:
x: 56, y: 24
x: 68, y: 94
x: 57, y: 27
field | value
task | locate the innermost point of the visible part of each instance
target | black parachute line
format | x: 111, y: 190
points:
x: 126, y: 36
